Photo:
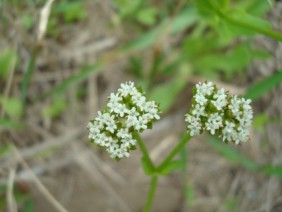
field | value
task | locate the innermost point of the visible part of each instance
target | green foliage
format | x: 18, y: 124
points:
x: 65, y: 12
x: 27, y: 21
x: 82, y: 75
x: 180, y: 22
x: 128, y: 8
x: 8, y: 58
x: 263, y: 86
x: 272, y: 170
x: 231, y: 204
x: 166, y: 93
x: 55, y: 109
x: 147, y: 16
x: 171, y: 166
x: 8, y: 124
x: 11, y: 106
x: 4, y: 149
x: 235, y: 157
x: 260, y: 121
x: 70, y: 10
x: 147, y: 166
x: 22, y: 199
x: 232, y: 155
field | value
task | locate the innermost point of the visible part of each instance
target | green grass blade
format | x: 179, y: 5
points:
x: 272, y: 170
x: 185, y: 19
x: 82, y: 75
x: 238, y: 158
x: 232, y: 155
x: 27, y: 75
x: 261, y: 87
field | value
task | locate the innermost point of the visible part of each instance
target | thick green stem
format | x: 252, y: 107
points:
x: 185, y: 138
x: 143, y: 148
x: 151, y: 195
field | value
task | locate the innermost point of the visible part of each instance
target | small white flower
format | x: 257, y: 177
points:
x: 199, y: 110
x: 128, y: 142
x: 142, y: 103
x: 214, y: 123
x: 153, y: 114
x: 121, y: 109
x: 201, y: 99
x: 126, y: 88
x: 123, y: 133
x: 136, y: 97
x: 133, y: 112
x: 220, y: 101
x: 205, y: 88
x: 141, y: 123
x: 114, y: 100
x: 228, y: 131
x: 194, y: 125
x: 131, y: 121
x: 234, y: 106
x: 101, y: 139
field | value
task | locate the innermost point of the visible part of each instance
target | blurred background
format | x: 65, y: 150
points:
x: 59, y: 60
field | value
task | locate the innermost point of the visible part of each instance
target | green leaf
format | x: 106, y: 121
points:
x: 237, y: 158
x: 147, y: 16
x: 9, y: 124
x: 27, y: 21
x: 230, y: 62
x: 205, y: 8
x: 172, y: 166
x: 272, y: 170
x: 136, y: 67
x: 128, y: 8
x: 56, y: 108
x: 5, y: 149
x: 255, y: 7
x: 242, y: 16
x: 29, y: 206
x: 259, y: 122
x: 8, y: 58
x: 232, y: 155
x: 71, y: 11
x: 263, y: 86
x: 147, y: 167
x: 12, y: 106
x: 166, y: 93
x: 82, y: 75
x: 182, y: 21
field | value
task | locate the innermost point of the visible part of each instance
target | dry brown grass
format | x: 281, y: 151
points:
x: 62, y: 171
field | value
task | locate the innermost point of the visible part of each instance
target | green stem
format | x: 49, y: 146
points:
x: 247, y: 25
x: 185, y: 138
x: 151, y: 195
x: 143, y: 148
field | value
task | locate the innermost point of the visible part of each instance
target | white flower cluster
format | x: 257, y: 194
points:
x: 126, y: 111
x: 214, y: 110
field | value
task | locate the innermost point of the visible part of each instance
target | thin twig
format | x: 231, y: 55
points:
x: 92, y: 171
x: 67, y: 137
x: 45, y: 192
x: 12, y: 205
x: 43, y: 21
